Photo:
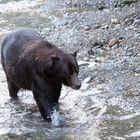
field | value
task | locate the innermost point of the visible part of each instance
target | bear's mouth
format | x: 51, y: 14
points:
x: 73, y: 82
x: 76, y: 87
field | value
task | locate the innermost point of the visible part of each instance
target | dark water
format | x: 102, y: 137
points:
x: 102, y: 109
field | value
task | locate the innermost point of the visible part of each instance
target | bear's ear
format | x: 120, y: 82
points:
x: 54, y: 58
x: 75, y: 53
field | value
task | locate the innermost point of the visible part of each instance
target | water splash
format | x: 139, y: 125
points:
x: 56, y: 118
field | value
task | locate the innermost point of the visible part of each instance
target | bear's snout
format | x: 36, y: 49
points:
x: 75, y: 82
x: 78, y: 86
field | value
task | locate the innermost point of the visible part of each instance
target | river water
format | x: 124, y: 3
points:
x: 107, y: 107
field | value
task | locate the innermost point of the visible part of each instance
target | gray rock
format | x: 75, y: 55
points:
x: 86, y: 58
x: 101, y: 5
x: 100, y: 59
x: 87, y: 28
x: 84, y: 87
x: 91, y: 52
x: 113, y: 42
x: 105, y: 26
x: 87, y: 80
x: 96, y: 26
x: 115, y: 21
x: 136, y: 22
x: 137, y: 69
x: 129, y: 21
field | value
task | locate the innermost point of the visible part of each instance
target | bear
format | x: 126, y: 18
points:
x: 30, y: 62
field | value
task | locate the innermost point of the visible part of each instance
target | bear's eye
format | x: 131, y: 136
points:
x: 73, y: 70
x: 76, y: 71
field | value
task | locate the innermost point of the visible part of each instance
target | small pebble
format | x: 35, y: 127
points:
x: 91, y: 52
x: 86, y: 59
x: 83, y: 63
x: 96, y: 26
x: 137, y: 69
x: 87, y: 28
x: 136, y: 22
x: 113, y: 42
x: 115, y: 21
x: 105, y: 27
x: 84, y: 87
x: 100, y: 59
x: 92, y: 64
x: 87, y: 80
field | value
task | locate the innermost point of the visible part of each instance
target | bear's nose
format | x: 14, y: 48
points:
x: 78, y: 86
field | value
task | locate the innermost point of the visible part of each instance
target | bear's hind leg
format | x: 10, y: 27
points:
x: 13, y: 89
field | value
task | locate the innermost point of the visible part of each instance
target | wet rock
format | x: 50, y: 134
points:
x: 97, y: 44
x: 100, y: 59
x: 87, y: 28
x: 116, y: 4
x: 92, y: 64
x: 105, y: 26
x: 137, y: 69
x: 101, y: 5
x: 113, y: 42
x: 115, y: 21
x: 83, y: 63
x: 121, y: 38
x: 129, y: 51
x: 64, y: 23
x: 96, y: 26
x: 137, y: 74
x: 86, y: 58
x: 87, y: 80
x: 137, y: 35
x: 136, y: 22
x: 117, y: 26
x: 132, y: 92
x: 84, y: 87
x: 129, y: 21
x: 91, y: 52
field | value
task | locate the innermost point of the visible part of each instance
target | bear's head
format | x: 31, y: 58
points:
x: 64, y: 68
x: 69, y: 70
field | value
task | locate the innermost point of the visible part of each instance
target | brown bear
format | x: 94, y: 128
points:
x: 32, y: 63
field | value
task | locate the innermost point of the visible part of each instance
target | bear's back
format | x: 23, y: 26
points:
x: 15, y: 42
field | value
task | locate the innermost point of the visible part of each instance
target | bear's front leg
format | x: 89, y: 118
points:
x: 41, y: 96
x: 43, y: 104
